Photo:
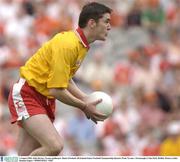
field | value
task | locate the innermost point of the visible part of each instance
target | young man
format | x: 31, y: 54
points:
x: 47, y: 76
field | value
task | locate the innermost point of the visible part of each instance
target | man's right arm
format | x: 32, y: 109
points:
x: 66, y: 97
x: 89, y: 108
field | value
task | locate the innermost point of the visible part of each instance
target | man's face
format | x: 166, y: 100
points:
x: 102, y: 27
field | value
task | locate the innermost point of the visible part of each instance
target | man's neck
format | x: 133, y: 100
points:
x: 89, y: 36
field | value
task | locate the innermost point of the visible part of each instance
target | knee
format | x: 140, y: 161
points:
x: 56, y: 148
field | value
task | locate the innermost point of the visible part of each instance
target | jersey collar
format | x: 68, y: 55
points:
x: 82, y: 37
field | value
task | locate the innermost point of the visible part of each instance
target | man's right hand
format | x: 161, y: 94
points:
x: 92, y: 113
x: 89, y: 108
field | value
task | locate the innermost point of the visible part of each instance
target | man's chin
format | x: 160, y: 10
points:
x: 102, y: 39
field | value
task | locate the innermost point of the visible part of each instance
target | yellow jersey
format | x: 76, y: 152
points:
x: 56, y: 62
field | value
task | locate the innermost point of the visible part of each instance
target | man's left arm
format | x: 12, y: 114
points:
x: 75, y: 91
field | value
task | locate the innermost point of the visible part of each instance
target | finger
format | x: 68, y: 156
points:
x: 100, y: 118
x: 97, y: 101
x: 94, y: 120
x: 97, y: 118
x: 87, y: 116
x: 100, y: 115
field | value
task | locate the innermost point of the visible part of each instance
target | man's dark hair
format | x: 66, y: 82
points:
x: 94, y: 11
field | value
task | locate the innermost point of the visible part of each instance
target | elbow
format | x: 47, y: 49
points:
x: 55, y: 92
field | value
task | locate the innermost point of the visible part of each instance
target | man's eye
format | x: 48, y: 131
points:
x: 107, y: 21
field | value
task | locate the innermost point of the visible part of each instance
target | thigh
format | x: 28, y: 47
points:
x: 26, y: 143
x: 41, y: 129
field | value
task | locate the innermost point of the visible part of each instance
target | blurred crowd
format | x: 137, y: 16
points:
x: 143, y: 81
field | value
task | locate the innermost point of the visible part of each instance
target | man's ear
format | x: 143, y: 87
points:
x: 91, y: 23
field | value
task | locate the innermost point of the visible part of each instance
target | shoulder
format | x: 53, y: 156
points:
x: 65, y: 40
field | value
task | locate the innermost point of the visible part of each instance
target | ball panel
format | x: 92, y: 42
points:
x: 106, y: 106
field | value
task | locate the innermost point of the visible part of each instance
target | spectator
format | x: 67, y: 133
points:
x: 89, y: 73
x: 150, y: 79
x: 134, y: 16
x: 81, y: 130
x: 153, y: 15
x: 171, y: 145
